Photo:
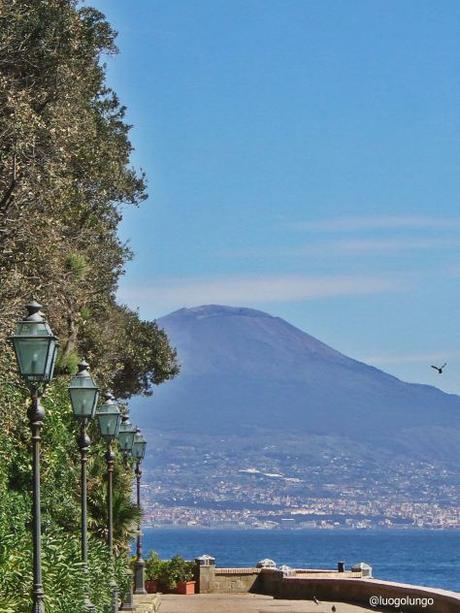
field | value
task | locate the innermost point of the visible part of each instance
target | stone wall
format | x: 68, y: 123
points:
x: 359, y: 591
x: 236, y: 580
x: 211, y: 579
x: 327, y: 585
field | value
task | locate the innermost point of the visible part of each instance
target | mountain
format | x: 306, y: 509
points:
x: 262, y: 395
x: 244, y: 369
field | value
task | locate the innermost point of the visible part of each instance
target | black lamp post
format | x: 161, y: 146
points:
x: 84, y: 395
x: 109, y: 418
x: 126, y: 442
x: 138, y: 454
x: 35, y: 347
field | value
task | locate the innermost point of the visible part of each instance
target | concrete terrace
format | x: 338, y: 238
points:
x: 249, y: 603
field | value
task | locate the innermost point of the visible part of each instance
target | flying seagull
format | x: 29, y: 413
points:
x: 439, y: 368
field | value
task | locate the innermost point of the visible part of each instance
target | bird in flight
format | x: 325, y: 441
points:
x: 439, y: 368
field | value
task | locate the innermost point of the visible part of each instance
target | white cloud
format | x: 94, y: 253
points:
x: 388, y: 222
x: 409, y: 358
x: 392, y: 244
x: 347, y: 247
x: 247, y: 290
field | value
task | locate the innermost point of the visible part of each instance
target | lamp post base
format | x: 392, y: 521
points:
x: 139, y: 577
x: 38, y: 605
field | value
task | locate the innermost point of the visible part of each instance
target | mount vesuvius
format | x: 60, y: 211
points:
x: 245, y: 371
x: 264, y: 412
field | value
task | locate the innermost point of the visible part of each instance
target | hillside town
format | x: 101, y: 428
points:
x: 313, y: 498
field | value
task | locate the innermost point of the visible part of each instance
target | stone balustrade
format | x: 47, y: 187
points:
x: 356, y: 587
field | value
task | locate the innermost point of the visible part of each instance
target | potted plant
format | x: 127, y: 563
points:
x: 153, y: 566
x: 174, y: 575
x: 181, y: 574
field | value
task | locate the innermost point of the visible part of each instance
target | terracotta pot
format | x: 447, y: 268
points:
x: 186, y: 587
x: 151, y: 586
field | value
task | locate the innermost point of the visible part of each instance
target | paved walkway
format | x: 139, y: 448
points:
x: 248, y: 603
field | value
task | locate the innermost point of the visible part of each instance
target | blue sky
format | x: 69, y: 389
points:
x: 303, y: 158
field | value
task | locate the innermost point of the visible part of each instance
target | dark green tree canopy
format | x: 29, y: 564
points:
x: 64, y: 176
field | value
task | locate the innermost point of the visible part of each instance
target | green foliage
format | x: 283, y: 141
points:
x: 168, y: 572
x: 65, y: 176
x: 77, y: 265
x: 64, y: 581
x: 152, y: 566
x: 137, y: 357
x: 62, y: 573
x: 176, y: 569
x: 125, y: 513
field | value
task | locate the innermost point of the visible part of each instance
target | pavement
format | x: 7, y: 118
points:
x: 249, y: 603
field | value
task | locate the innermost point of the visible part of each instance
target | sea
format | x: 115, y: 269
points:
x: 421, y: 557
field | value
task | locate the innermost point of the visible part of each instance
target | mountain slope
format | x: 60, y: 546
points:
x: 244, y: 371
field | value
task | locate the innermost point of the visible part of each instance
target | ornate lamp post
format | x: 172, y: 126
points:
x: 138, y: 454
x: 84, y: 395
x: 109, y: 418
x: 126, y: 442
x: 35, y: 347
x: 126, y: 436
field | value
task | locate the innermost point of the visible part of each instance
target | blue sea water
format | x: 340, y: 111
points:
x: 421, y: 557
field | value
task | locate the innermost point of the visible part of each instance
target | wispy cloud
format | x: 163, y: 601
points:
x: 391, y: 244
x: 389, y: 222
x: 348, y: 247
x: 251, y: 289
x: 409, y: 358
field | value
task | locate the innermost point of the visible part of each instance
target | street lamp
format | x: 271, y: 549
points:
x: 126, y: 435
x: 138, y: 454
x: 35, y: 347
x: 84, y: 395
x: 126, y: 441
x: 109, y: 418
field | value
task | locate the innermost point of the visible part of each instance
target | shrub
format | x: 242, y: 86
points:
x: 152, y: 566
x: 168, y: 572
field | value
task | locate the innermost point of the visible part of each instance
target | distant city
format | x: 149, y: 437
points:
x: 342, y: 496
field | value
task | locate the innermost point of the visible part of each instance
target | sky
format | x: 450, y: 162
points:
x: 303, y: 158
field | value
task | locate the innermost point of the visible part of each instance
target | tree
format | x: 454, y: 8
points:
x: 65, y: 176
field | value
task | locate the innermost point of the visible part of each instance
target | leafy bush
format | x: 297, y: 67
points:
x: 65, y: 582
x: 152, y: 566
x: 63, y: 578
x: 168, y: 572
x: 180, y: 569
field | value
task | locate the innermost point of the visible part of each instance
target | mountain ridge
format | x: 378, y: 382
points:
x: 216, y: 310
